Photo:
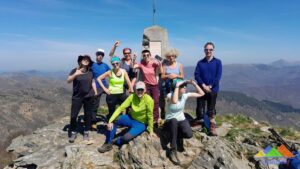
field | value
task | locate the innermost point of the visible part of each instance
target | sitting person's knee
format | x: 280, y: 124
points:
x: 189, y: 134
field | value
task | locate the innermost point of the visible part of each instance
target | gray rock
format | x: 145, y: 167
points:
x: 48, y: 147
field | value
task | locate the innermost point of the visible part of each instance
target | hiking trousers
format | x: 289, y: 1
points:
x: 210, y: 100
x: 112, y: 101
x: 178, y: 130
x: 87, y: 105
x: 135, y: 129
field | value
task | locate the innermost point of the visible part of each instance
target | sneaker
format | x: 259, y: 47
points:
x: 72, y: 137
x: 86, y: 136
x: 213, y: 127
x: 105, y: 147
x: 173, y: 157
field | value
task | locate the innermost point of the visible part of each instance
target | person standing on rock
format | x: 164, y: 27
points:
x: 176, y: 123
x: 208, y: 74
x: 82, y: 78
x: 116, y: 89
x: 148, y: 68
x: 98, y: 69
x: 138, y: 120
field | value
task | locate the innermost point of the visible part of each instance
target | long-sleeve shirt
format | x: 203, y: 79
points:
x: 142, y: 110
x: 209, y: 73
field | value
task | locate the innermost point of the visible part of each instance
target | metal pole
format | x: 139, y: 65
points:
x: 154, y: 10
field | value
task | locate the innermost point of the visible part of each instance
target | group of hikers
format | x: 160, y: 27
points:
x: 146, y: 92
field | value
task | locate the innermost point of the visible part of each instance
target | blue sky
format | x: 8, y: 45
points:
x: 50, y: 34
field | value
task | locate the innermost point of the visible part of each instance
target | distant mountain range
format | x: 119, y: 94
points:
x: 278, y: 81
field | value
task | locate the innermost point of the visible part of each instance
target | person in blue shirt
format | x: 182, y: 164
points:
x: 98, y: 68
x: 208, y: 75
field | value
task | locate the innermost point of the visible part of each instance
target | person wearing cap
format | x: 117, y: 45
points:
x: 116, y: 90
x: 127, y: 61
x: 138, y: 120
x: 208, y: 74
x: 171, y: 70
x: 149, y: 68
x: 98, y: 68
x: 176, y: 123
x: 82, y: 78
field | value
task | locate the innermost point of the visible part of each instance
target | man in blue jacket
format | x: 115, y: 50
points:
x: 208, y: 74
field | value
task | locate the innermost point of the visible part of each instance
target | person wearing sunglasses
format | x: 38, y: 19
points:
x: 138, y: 120
x: 171, y: 70
x: 149, y: 67
x: 82, y: 78
x: 115, y: 91
x: 176, y: 123
x: 127, y: 62
x: 208, y: 74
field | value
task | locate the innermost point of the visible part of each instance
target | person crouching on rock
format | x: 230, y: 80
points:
x: 176, y: 123
x: 138, y: 120
x: 82, y: 78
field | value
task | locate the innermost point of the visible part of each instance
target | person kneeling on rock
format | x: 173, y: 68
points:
x: 138, y: 120
x: 176, y: 123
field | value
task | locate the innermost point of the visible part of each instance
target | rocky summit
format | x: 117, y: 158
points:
x: 48, y: 147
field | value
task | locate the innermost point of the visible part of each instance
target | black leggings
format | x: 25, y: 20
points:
x: 75, y: 108
x: 179, y: 130
x: 113, y: 100
x: 211, y: 99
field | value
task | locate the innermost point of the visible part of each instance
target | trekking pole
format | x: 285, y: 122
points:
x: 279, y: 138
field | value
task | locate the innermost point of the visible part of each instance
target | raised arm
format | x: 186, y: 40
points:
x: 199, y: 91
x: 174, y: 98
x: 113, y: 49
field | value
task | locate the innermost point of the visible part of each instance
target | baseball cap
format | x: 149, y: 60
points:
x: 100, y: 52
x: 115, y: 59
x: 140, y: 85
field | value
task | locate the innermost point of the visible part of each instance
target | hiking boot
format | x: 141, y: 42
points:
x: 72, y: 137
x: 86, y: 136
x: 105, y: 147
x: 173, y: 157
x: 213, y: 128
x: 94, y: 127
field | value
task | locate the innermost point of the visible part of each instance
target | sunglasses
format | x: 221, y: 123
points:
x: 126, y: 53
x: 115, y: 64
x: 210, y: 50
x: 140, y: 90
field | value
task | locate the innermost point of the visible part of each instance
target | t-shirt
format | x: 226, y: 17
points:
x: 176, y: 110
x: 99, y: 69
x: 82, y: 85
x: 149, y: 71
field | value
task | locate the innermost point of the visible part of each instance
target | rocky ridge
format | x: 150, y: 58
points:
x: 48, y: 147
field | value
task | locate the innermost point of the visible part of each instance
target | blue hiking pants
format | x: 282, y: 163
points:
x: 135, y: 129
